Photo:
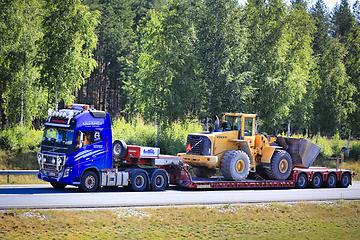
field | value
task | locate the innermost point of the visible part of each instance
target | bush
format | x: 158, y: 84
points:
x: 20, y: 140
x: 172, y: 139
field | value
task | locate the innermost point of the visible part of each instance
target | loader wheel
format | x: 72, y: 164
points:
x: 203, y: 172
x: 119, y: 149
x: 280, y: 166
x: 235, y: 165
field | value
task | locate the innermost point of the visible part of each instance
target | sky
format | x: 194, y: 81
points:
x: 329, y: 3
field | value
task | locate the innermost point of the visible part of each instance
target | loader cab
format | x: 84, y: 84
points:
x: 244, y: 123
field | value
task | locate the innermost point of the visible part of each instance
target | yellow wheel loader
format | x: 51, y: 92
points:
x: 236, y: 149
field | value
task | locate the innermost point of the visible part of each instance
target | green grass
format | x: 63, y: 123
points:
x: 339, y: 220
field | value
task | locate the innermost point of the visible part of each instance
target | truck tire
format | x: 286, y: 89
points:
x: 235, y: 165
x: 138, y: 181
x: 159, y: 181
x: 203, y: 172
x: 58, y: 185
x: 89, y: 182
x: 280, y: 165
x: 345, y: 180
x: 317, y: 180
x: 119, y: 149
x: 331, y: 180
x: 301, y: 181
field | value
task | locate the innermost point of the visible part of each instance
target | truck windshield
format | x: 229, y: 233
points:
x: 59, y: 136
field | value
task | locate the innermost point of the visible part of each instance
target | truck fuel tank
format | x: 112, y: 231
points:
x: 302, y: 151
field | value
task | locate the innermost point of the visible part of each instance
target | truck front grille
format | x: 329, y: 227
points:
x: 51, y: 165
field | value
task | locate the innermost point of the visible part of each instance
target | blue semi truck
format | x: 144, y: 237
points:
x: 78, y: 149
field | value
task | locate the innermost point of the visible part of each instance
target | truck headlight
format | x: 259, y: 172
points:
x: 39, y: 159
x: 67, y: 172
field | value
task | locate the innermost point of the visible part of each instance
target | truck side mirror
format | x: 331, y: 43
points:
x: 82, y: 135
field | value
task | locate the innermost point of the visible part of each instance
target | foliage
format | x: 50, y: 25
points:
x: 172, y: 140
x: 20, y: 140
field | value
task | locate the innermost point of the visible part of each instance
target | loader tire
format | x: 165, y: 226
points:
x: 203, y: 172
x: 280, y: 165
x: 235, y: 165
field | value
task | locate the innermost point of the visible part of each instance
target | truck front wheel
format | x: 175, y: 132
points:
x: 89, y: 182
x: 280, y: 166
x: 235, y: 165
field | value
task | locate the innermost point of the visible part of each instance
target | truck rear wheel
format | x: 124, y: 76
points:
x: 280, y: 165
x: 89, y: 182
x: 159, y: 181
x: 119, y: 149
x: 317, y: 180
x: 331, y: 180
x: 203, y: 172
x: 345, y: 180
x: 301, y: 181
x: 138, y: 181
x: 235, y: 165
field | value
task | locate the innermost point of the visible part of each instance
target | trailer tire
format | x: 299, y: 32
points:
x: 331, y: 180
x: 301, y: 181
x: 345, y: 180
x: 159, y: 181
x: 119, y: 149
x: 235, y: 165
x: 280, y: 165
x: 58, y: 185
x: 203, y: 172
x: 138, y: 181
x: 89, y: 182
x: 317, y: 180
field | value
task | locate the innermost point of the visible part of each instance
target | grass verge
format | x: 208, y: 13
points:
x: 339, y: 220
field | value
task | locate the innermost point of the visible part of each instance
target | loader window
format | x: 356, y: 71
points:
x: 233, y: 123
x: 248, y: 128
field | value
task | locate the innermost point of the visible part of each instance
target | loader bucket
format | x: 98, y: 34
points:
x: 302, y: 151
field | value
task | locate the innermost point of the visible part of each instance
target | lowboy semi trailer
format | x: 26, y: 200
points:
x: 78, y: 149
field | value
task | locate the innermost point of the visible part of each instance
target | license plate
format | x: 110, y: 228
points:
x: 51, y: 174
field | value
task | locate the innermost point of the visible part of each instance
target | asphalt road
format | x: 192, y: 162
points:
x: 45, y: 196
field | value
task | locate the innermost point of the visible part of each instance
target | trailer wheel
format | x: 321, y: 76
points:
x: 203, y: 172
x: 331, y: 180
x: 119, y: 149
x: 138, y: 181
x: 317, y: 180
x: 235, y: 165
x: 89, y: 182
x: 159, y: 181
x: 280, y: 166
x: 301, y: 181
x: 58, y: 185
x: 345, y: 180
